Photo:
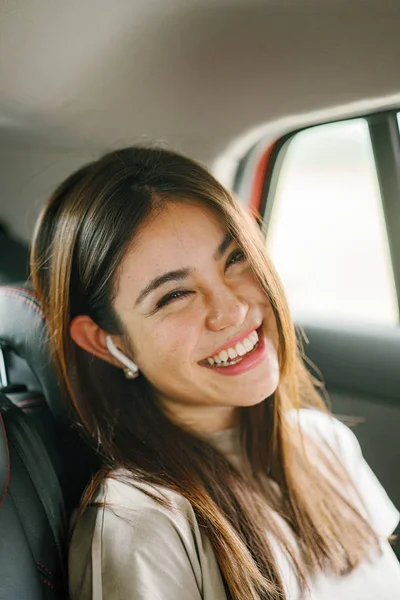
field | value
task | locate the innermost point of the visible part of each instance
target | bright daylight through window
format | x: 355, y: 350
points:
x: 327, y: 235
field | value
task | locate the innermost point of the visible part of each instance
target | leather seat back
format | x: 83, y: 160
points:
x: 14, y: 262
x: 40, y: 484
x: 32, y: 563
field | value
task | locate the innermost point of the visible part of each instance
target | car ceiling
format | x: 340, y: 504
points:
x: 84, y: 76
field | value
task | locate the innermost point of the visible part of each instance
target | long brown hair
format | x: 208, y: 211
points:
x: 80, y: 241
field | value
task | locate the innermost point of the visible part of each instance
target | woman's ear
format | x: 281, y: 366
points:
x: 90, y: 337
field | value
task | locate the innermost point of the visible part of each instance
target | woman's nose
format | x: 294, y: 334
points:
x: 226, y: 310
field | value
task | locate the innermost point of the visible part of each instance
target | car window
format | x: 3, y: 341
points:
x: 326, y: 234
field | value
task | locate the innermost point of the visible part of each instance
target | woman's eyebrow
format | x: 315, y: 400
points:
x: 181, y: 273
x: 223, y: 247
x: 159, y: 281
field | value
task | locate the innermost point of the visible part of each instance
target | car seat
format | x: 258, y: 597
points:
x: 14, y: 263
x: 44, y: 461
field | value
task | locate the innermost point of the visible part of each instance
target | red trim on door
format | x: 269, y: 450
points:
x: 259, y: 179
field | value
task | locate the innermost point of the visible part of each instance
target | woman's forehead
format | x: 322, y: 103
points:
x: 180, y: 236
x: 177, y: 228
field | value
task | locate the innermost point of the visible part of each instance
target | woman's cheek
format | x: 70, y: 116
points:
x: 162, y: 346
x: 181, y: 337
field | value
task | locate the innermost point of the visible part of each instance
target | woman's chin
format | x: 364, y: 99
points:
x: 256, y: 396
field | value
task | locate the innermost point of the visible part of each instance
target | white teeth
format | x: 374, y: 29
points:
x: 232, y: 353
x: 254, y: 336
x: 223, y: 355
x: 240, y: 349
x: 235, y: 352
x: 248, y: 344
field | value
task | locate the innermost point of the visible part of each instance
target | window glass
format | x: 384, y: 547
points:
x: 327, y: 235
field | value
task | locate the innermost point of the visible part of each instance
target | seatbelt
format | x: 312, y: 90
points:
x: 33, y: 454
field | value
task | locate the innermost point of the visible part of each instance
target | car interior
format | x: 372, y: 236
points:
x: 294, y: 105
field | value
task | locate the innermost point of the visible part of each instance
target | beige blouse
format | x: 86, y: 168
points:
x: 137, y: 550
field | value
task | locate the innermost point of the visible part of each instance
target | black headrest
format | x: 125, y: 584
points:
x: 23, y: 330
x: 15, y: 258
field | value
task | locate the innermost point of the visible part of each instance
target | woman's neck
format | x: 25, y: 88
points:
x: 202, y: 419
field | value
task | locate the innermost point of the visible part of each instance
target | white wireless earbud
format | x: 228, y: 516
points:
x: 131, y: 367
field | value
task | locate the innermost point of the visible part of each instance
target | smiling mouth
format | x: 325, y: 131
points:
x: 236, y: 353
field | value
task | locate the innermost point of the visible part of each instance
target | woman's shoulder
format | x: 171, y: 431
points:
x: 125, y: 513
x: 138, y: 509
x: 135, y: 535
x: 121, y: 485
x: 122, y: 495
x: 325, y: 427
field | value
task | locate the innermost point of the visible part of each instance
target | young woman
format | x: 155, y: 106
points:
x: 224, y: 474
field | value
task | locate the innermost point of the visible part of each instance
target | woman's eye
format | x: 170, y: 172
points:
x: 236, y: 257
x: 168, y: 298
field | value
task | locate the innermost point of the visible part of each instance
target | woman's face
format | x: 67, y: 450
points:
x: 202, y: 330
